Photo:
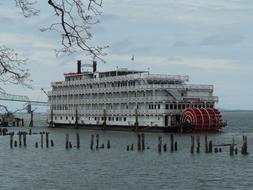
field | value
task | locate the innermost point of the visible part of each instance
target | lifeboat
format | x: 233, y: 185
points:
x: 202, y: 119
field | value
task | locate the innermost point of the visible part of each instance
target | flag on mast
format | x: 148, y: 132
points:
x: 132, y: 58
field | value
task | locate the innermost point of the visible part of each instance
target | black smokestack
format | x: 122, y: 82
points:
x: 94, y: 66
x: 79, y: 66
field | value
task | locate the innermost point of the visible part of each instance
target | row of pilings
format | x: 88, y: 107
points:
x: 20, y: 140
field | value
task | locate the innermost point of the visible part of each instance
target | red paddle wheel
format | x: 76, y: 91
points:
x: 202, y: 119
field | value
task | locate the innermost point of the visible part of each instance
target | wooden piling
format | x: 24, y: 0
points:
x: 198, y: 144
x: 91, y: 142
x: 19, y: 138
x: 176, y: 146
x: 36, y: 145
x: 210, y: 147
x: 47, y: 140
x: 11, y: 140
x: 231, y: 149
x: 138, y: 142
x: 70, y: 144
x: 159, y: 144
x: 192, y: 144
x: 67, y: 141
x: 165, y: 147
x: 15, y: 143
x: 216, y: 150
x: 142, y: 142
x: 127, y: 148
x: 171, y: 143
x: 206, y: 145
x: 52, y: 143
x: 41, y: 139
x: 24, y: 139
x: 244, y: 149
x: 77, y: 140
x: 97, y: 141
x: 102, y: 146
x: 108, y: 144
x: 132, y: 147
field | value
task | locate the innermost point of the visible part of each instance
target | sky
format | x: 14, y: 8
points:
x: 209, y: 40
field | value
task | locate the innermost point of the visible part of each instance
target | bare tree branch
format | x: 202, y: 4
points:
x: 12, y: 68
x: 74, y: 26
x: 27, y: 8
x: 76, y: 18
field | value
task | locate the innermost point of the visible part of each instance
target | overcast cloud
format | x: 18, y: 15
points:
x: 211, y: 41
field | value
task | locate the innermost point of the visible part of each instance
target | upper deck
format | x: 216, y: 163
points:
x: 72, y: 79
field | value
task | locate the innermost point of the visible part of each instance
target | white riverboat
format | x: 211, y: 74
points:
x: 130, y: 99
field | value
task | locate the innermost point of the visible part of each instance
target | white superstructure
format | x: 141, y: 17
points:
x: 123, y: 97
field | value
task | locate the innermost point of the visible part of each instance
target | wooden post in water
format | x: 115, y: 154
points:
x: 159, y: 144
x: 176, y: 146
x: 231, y: 147
x: 47, y: 140
x: 70, y: 144
x: 31, y: 121
x: 192, y: 144
x: 210, y: 147
x: 52, y: 143
x: 19, y: 138
x: 91, y: 142
x: 41, y: 140
x: 11, y: 140
x: 36, y: 145
x: 165, y: 147
x: 97, y: 141
x: 139, y: 142
x: 15, y: 143
x: 108, y: 144
x: 67, y: 141
x: 77, y: 140
x: 127, y: 148
x: 142, y: 142
x: 132, y: 147
x: 244, y: 150
x: 24, y: 139
x: 198, y: 144
x: 206, y: 145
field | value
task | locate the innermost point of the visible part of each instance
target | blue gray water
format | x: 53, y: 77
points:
x: 57, y: 168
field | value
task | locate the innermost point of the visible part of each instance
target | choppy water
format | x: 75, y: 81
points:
x: 57, y: 168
